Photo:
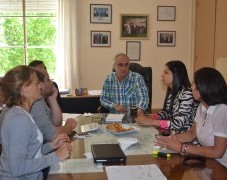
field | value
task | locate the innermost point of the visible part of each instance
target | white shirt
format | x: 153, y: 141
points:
x: 212, y: 122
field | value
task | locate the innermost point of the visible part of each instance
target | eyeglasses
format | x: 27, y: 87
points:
x: 123, y: 65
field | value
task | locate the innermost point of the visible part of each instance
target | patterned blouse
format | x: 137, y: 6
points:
x: 181, y: 117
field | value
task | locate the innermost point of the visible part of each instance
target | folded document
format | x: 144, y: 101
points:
x: 114, y: 118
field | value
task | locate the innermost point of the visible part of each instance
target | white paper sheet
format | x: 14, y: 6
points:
x: 142, y: 172
x: 94, y: 92
x: 68, y: 115
x: 114, y: 118
x: 75, y: 166
x: 87, y: 114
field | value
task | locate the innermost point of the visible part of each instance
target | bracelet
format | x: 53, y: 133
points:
x: 183, y: 149
x: 151, y: 121
x: 155, y: 124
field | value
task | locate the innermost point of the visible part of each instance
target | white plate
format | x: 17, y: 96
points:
x: 89, y: 127
x: 134, y: 130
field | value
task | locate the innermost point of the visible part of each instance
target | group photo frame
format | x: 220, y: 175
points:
x: 101, y: 13
x: 134, y: 26
x: 166, y: 38
x: 100, y: 38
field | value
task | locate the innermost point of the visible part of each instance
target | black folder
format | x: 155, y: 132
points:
x: 108, y: 153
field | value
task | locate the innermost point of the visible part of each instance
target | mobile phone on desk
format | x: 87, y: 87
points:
x: 71, y: 134
x: 165, y: 133
x: 81, y: 135
x: 157, y: 136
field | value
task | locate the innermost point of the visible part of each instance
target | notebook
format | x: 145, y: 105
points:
x: 89, y: 127
x: 108, y: 153
x: 111, y: 118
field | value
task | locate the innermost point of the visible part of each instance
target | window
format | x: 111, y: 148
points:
x: 27, y: 32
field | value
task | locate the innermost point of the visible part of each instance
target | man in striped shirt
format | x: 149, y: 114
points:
x: 123, y: 89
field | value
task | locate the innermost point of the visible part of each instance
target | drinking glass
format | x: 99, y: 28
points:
x: 133, y: 113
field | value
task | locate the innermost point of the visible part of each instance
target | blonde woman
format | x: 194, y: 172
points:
x: 23, y: 154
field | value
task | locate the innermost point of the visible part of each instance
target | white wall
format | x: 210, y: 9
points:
x: 96, y: 62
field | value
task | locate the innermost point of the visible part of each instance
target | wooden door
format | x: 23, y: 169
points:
x: 221, y: 30
x: 205, y: 33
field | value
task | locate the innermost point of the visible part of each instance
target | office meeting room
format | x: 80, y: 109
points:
x: 97, y: 90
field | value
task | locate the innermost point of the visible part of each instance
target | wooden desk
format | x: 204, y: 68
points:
x: 80, y: 104
x: 173, y: 168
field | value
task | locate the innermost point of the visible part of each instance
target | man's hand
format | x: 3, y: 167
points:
x: 71, y: 123
x: 119, y: 108
x: 54, y: 94
x: 140, y: 112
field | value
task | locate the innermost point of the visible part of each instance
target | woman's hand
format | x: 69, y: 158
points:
x: 64, y: 151
x: 144, y: 120
x: 170, y: 142
x: 59, y: 140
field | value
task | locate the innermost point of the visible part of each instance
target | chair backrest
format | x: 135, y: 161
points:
x: 146, y: 72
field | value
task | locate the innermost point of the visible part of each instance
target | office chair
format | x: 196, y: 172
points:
x: 146, y: 72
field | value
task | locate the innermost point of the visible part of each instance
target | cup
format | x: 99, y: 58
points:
x: 133, y: 113
x: 79, y: 91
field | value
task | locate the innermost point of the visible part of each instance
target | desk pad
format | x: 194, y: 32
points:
x: 145, y: 145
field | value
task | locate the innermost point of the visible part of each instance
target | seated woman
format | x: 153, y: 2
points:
x: 210, y: 126
x: 23, y: 154
x: 179, y: 106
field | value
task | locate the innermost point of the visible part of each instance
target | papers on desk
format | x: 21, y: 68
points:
x: 75, y: 166
x: 126, y: 142
x: 143, y: 172
x: 87, y: 114
x: 111, y: 118
x: 64, y: 91
x: 94, y: 92
x: 68, y: 115
x: 89, y: 127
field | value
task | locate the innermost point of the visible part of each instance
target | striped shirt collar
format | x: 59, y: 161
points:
x: 127, y: 77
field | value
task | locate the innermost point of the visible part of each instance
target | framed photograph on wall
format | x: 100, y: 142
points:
x: 166, y: 13
x: 133, y: 49
x: 134, y: 26
x: 101, y: 13
x: 166, y: 38
x: 100, y: 38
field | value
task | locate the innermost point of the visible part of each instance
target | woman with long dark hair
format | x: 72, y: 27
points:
x: 210, y: 125
x: 179, y: 106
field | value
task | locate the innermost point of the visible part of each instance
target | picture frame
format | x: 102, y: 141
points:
x: 100, y: 38
x: 166, y: 38
x: 134, y: 26
x: 166, y: 13
x: 133, y: 50
x: 101, y: 13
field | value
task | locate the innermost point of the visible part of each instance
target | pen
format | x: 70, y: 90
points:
x: 161, y: 154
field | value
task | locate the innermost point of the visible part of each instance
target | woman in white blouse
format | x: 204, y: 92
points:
x: 210, y: 125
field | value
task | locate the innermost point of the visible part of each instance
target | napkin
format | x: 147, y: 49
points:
x: 88, y: 155
x: 126, y: 142
x: 87, y: 114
